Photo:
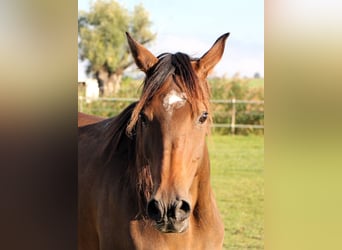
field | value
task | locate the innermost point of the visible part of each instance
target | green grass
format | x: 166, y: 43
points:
x: 256, y: 83
x: 238, y: 183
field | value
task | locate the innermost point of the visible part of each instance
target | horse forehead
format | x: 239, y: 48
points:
x: 173, y: 99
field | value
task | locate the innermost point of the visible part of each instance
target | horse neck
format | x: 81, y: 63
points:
x: 205, y: 202
x: 204, y: 187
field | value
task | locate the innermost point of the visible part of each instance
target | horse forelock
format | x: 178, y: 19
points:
x: 179, y: 67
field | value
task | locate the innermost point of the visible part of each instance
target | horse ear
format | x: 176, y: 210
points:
x: 143, y: 58
x: 208, y: 61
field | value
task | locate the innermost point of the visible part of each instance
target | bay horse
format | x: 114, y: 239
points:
x: 144, y: 176
x: 85, y: 119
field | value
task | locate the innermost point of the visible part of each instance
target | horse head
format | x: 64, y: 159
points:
x: 171, y: 121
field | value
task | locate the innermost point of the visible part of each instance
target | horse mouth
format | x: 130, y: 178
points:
x: 172, y: 227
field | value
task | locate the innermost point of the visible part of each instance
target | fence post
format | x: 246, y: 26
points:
x: 233, y: 116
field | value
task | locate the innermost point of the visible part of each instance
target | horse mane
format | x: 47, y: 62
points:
x: 114, y: 133
x: 122, y: 133
x: 116, y: 142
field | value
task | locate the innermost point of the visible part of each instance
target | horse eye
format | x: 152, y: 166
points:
x: 203, y: 117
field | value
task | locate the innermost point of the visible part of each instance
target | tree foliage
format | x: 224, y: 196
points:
x: 102, y: 39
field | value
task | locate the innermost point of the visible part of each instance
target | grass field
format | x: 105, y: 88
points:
x: 256, y: 83
x: 238, y: 183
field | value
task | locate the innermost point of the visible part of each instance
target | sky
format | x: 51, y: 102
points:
x: 192, y: 26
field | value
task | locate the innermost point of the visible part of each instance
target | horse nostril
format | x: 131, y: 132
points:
x: 154, y: 210
x: 185, y: 206
x: 182, y: 210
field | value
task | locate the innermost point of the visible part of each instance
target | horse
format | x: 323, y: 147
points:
x: 144, y: 175
x: 85, y: 119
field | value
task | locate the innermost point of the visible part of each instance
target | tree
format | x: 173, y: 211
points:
x: 102, y: 40
x: 257, y: 75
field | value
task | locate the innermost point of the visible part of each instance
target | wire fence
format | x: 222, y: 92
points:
x: 227, y: 114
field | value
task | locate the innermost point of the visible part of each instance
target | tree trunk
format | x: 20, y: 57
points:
x: 100, y: 83
x: 112, y: 86
x: 109, y: 84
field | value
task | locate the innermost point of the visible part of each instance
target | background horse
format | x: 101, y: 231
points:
x: 85, y: 119
x: 144, y: 176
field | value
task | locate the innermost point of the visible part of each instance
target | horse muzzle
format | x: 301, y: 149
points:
x: 169, y: 218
